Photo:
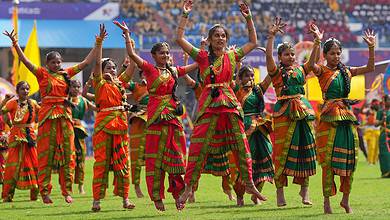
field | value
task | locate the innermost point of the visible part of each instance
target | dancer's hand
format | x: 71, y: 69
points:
x: 187, y: 6
x: 276, y: 27
x: 122, y: 26
x: 369, y: 37
x: 103, y: 32
x: 232, y: 47
x: 11, y: 35
x: 8, y: 97
x: 317, y: 34
x: 244, y: 9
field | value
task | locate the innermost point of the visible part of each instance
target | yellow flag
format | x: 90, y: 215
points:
x: 32, y: 53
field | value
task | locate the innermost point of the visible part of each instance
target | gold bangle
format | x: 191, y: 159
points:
x: 371, y: 46
x: 14, y: 42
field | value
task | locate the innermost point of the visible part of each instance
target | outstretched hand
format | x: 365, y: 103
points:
x: 11, y: 35
x: 103, y: 32
x: 277, y: 26
x: 369, y: 37
x: 122, y: 26
x: 244, y: 9
x: 8, y: 97
x: 187, y: 6
x: 317, y: 34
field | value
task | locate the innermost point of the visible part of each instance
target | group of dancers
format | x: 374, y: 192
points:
x: 230, y: 138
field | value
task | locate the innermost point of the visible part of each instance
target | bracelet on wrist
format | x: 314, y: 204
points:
x: 317, y: 41
x: 371, y: 46
x: 248, y: 17
x: 185, y: 14
x: 14, y: 42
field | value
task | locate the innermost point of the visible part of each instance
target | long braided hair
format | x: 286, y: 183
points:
x: 157, y: 47
x: 285, y: 76
x: 340, y: 66
x: 255, y: 88
x: 212, y: 57
x: 30, y: 141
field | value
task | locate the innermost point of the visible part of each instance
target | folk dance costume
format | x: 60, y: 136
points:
x: 294, y: 148
x: 21, y: 167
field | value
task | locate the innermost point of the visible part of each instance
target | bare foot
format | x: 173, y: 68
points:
x: 346, y: 206
x: 280, y: 200
x: 138, y: 191
x: 184, y: 196
x: 179, y: 206
x: 230, y: 195
x: 240, y: 201
x: 251, y: 189
x: 127, y: 204
x: 304, y: 193
x: 81, y: 189
x: 7, y: 200
x: 255, y: 200
x: 327, y: 208
x: 96, y: 206
x: 68, y: 199
x: 34, y: 194
x: 46, y: 199
x: 159, y: 205
x: 191, y: 199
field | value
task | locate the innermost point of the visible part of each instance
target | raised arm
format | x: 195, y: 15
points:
x: 129, y: 46
x: 369, y: 38
x: 30, y: 66
x: 265, y: 84
x: 252, y: 44
x: 97, y: 69
x: 180, y: 40
x: 272, y: 31
x: 311, y: 64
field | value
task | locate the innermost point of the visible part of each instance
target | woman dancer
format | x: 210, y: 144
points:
x: 337, y: 137
x: 293, y: 150
x: 383, y: 119
x: 55, y: 143
x: 22, y: 162
x: 165, y: 137
x: 110, y: 138
x: 257, y: 128
x: 80, y: 106
x: 219, y: 126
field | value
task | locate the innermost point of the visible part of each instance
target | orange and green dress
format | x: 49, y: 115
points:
x: 336, y: 135
x: 21, y: 167
x: 294, y: 145
x: 384, y: 142
x: 110, y: 139
x: 258, y: 130
x: 80, y: 133
x: 137, y: 123
x: 55, y: 141
x: 165, y: 139
x: 3, y: 149
x: 219, y: 126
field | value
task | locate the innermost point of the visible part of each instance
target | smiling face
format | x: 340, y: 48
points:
x: 54, y: 64
x: 23, y: 89
x: 218, y: 38
x: 162, y: 56
x: 248, y: 78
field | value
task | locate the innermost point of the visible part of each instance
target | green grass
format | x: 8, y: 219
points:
x: 370, y: 199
